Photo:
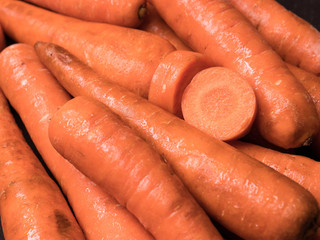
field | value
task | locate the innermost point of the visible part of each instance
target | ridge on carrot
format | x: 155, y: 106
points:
x: 124, y: 55
x: 237, y: 191
x: 110, y: 153
x: 36, y: 95
x: 30, y: 201
x: 172, y: 76
x: 286, y: 115
x: 153, y: 23
x: 219, y: 102
x: 296, y: 40
x: 128, y: 13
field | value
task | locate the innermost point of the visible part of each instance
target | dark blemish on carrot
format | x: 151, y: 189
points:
x: 63, y: 223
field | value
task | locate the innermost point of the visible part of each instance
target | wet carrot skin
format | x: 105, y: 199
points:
x: 286, y: 115
x: 99, y: 214
x: 122, y: 13
x: 31, y: 204
x: 297, y: 41
x: 223, y: 180
x: 124, y: 55
x: 109, y: 152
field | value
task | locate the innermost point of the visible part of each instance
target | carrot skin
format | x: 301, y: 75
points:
x: 300, y: 169
x: 30, y: 202
x: 286, y: 116
x: 296, y: 40
x: 100, y: 145
x: 153, y: 23
x: 223, y: 180
x: 130, y: 62
x: 172, y: 76
x: 311, y: 83
x: 25, y: 80
x: 219, y: 102
x: 123, y: 13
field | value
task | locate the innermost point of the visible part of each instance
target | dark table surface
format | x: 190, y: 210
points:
x: 306, y: 9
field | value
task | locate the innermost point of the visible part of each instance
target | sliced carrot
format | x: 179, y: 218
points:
x: 110, y: 153
x: 36, y: 95
x: 219, y: 102
x: 296, y: 40
x: 31, y: 204
x: 286, y: 115
x: 127, y: 13
x: 126, y: 56
x: 172, y: 76
x: 245, y: 196
x: 153, y: 23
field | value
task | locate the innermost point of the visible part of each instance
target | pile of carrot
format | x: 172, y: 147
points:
x: 139, y: 120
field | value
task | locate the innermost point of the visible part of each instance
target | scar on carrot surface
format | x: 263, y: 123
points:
x: 62, y: 222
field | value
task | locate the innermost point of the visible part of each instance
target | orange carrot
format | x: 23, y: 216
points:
x: 296, y: 40
x: 110, y: 153
x: 31, y: 204
x: 172, y: 76
x: 247, y: 197
x: 127, y: 13
x: 311, y: 83
x: 2, y: 39
x: 36, y: 95
x: 286, y: 116
x: 301, y: 169
x: 220, y: 103
x: 153, y: 23
x: 123, y: 55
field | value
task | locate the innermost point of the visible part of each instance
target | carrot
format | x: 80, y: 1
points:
x: 100, y: 145
x: 123, y: 55
x: 2, y: 39
x: 296, y: 40
x: 127, y: 13
x: 311, y: 83
x: 172, y: 76
x: 153, y: 23
x: 219, y: 102
x: 245, y: 196
x: 301, y: 169
x: 286, y: 116
x: 36, y: 95
x: 31, y: 204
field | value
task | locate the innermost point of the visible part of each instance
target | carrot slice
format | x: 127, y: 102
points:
x: 32, y: 205
x: 242, y: 194
x: 172, y: 76
x: 296, y: 40
x: 153, y: 23
x: 220, y: 102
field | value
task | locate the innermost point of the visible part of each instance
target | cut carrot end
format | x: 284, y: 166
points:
x: 220, y: 102
x: 172, y: 76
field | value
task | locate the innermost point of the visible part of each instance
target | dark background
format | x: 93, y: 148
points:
x: 306, y: 9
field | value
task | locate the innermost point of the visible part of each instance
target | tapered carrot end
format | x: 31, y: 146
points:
x: 221, y: 103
